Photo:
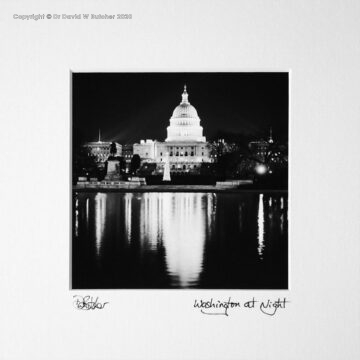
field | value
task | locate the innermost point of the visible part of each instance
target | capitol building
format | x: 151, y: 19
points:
x: 185, y: 147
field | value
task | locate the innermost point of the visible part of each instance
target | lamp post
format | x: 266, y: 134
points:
x: 261, y: 169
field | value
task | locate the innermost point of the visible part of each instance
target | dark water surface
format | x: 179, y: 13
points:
x: 180, y: 240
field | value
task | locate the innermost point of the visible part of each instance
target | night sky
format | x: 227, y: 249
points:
x: 128, y: 107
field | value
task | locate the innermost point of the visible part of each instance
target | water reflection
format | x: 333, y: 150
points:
x: 178, y: 223
x: 184, y: 228
x: 180, y: 240
x: 87, y: 212
x: 260, y: 220
x: 76, y: 216
x: 282, y: 223
x: 128, y: 208
x: 100, y: 205
x: 151, y: 214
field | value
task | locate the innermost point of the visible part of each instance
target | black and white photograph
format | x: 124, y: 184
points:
x: 180, y: 180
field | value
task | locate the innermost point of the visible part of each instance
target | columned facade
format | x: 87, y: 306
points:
x: 185, y: 144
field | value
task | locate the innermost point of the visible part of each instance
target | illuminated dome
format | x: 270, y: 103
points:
x: 185, y: 122
x: 185, y: 110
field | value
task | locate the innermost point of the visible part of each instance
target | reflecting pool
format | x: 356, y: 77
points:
x: 180, y: 240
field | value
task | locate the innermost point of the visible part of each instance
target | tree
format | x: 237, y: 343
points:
x: 113, y: 149
x: 122, y: 163
x: 227, y: 165
x: 84, y: 164
x: 135, y: 163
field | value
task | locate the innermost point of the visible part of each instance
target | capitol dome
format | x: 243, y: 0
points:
x: 185, y: 110
x: 185, y: 122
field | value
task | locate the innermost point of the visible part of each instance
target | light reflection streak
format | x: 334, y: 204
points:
x: 184, y: 234
x: 179, y: 223
x: 240, y: 210
x: 87, y: 212
x: 77, y: 217
x: 128, y: 208
x: 150, y: 215
x: 261, y: 230
x: 76, y: 222
x: 100, y: 212
x: 211, y: 211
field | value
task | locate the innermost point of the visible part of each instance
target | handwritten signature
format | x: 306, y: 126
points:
x: 87, y: 303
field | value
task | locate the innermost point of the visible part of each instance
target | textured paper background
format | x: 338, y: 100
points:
x: 317, y: 40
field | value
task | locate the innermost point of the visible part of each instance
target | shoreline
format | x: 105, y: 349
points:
x: 174, y: 188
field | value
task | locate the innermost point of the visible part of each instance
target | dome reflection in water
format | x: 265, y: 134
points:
x: 180, y: 240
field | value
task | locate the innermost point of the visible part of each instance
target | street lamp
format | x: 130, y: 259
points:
x: 261, y: 169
